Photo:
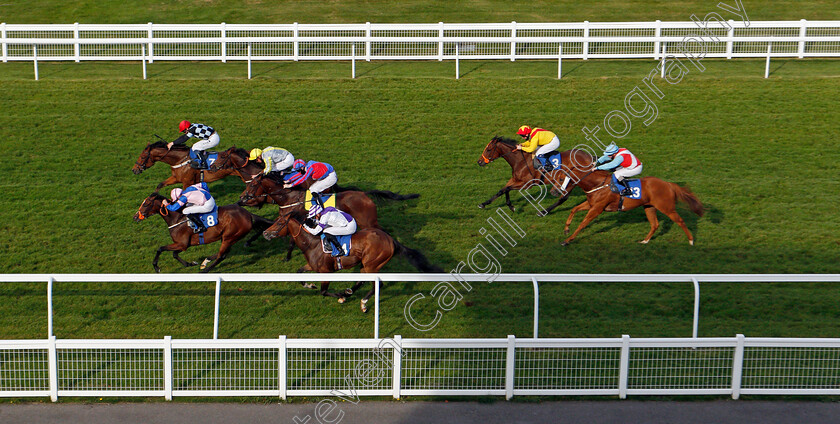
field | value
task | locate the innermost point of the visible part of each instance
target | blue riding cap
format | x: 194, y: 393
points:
x: 611, y: 149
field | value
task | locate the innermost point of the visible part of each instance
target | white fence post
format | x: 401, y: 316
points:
x: 440, y: 43
x: 219, y: 286
x: 50, y: 307
x: 249, y: 60
x: 510, y: 362
x: 767, y: 65
x: 282, y: 367
x: 536, y: 307
x: 224, y: 44
x: 664, y: 53
x: 624, y: 367
x: 143, y: 59
x: 731, y: 39
x: 457, y: 63
x: 52, y: 358
x: 696, y: 307
x: 586, y: 43
x: 353, y: 60
x: 560, y: 62
x: 167, y: 367
x: 657, y: 43
x: 803, y: 32
x: 76, y: 37
x: 376, y: 308
x: 296, y: 41
x: 5, y: 52
x: 513, y: 41
x: 35, y: 59
x: 737, y: 366
x: 151, y: 34
x: 397, y: 371
x: 367, y: 42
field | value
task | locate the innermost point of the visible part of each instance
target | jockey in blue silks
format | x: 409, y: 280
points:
x: 196, y: 200
x: 332, y: 222
x: 623, y: 164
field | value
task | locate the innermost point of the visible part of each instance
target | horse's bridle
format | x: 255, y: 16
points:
x: 148, y: 155
x: 486, y: 160
x: 163, y: 211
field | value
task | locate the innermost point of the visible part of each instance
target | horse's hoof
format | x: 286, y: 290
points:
x: 691, y: 242
x: 157, y: 270
x: 481, y: 206
x: 309, y: 286
x: 565, y: 243
x: 364, y: 306
x: 247, y: 244
x: 542, y: 214
x: 348, y: 292
x: 644, y: 242
x: 193, y: 263
x: 565, y: 231
x: 341, y: 300
x: 512, y: 209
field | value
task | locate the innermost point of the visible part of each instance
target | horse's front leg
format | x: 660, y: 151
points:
x: 507, y: 201
x: 218, y: 257
x: 306, y: 285
x: 175, y: 254
x: 594, y: 211
x: 551, y: 208
x: 325, y: 285
x: 169, y: 181
x: 504, y: 190
x: 291, y: 249
x: 177, y: 247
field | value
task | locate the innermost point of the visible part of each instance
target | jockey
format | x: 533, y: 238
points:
x: 208, y: 138
x: 623, y: 164
x: 278, y: 162
x: 322, y: 174
x: 543, y: 141
x: 332, y: 222
x: 197, y: 200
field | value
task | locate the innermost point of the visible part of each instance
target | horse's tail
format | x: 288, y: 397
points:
x: 383, y: 194
x: 260, y: 223
x: 416, y: 258
x: 684, y: 194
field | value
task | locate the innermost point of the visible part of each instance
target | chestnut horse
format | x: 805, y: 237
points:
x: 238, y: 160
x: 522, y: 167
x: 178, y: 157
x: 234, y: 223
x: 370, y: 247
x: 656, y: 195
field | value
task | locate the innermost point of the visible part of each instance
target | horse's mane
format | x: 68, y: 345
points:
x: 241, y: 152
x: 508, y: 141
x: 162, y: 144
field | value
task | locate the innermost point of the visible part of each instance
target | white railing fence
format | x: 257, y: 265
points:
x: 448, y: 285
x: 437, y: 41
x: 398, y: 367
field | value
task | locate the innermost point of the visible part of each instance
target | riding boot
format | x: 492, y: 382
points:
x: 625, y: 191
x: 547, y: 166
x: 337, y: 249
x: 198, y: 226
x: 316, y: 199
x: 202, y: 159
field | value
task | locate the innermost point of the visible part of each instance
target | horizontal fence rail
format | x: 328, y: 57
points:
x: 436, y: 41
x: 397, y: 367
x: 447, y: 284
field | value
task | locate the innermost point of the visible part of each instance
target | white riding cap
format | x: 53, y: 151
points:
x: 175, y: 193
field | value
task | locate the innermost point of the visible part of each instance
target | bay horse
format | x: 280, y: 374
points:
x: 264, y: 189
x: 234, y: 223
x: 370, y: 247
x: 177, y: 157
x: 238, y: 160
x: 657, y: 195
x: 523, y: 171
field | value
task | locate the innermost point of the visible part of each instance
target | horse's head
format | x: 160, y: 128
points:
x: 281, y: 226
x: 151, y: 205
x: 154, y: 152
x: 233, y: 158
x: 496, y: 148
x: 254, y: 194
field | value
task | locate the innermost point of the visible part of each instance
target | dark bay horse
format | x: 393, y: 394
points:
x: 234, y: 223
x: 657, y: 194
x: 239, y: 161
x: 523, y: 171
x: 178, y: 157
x: 370, y: 247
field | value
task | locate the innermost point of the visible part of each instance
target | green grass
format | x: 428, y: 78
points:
x: 382, y: 11
x: 759, y: 153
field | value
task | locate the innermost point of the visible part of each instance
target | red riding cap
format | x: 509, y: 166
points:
x: 183, y: 126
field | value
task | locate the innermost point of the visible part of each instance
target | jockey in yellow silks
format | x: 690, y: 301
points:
x: 539, y: 140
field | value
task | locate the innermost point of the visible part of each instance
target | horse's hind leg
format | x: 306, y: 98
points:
x: 678, y: 219
x: 217, y: 258
x: 650, y: 212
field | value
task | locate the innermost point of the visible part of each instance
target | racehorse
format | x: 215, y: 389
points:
x: 523, y: 171
x: 370, y: 247
x: 239, y: 161
x: 234, y: 223
x: 656, y: 194
x: 178, y: 157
